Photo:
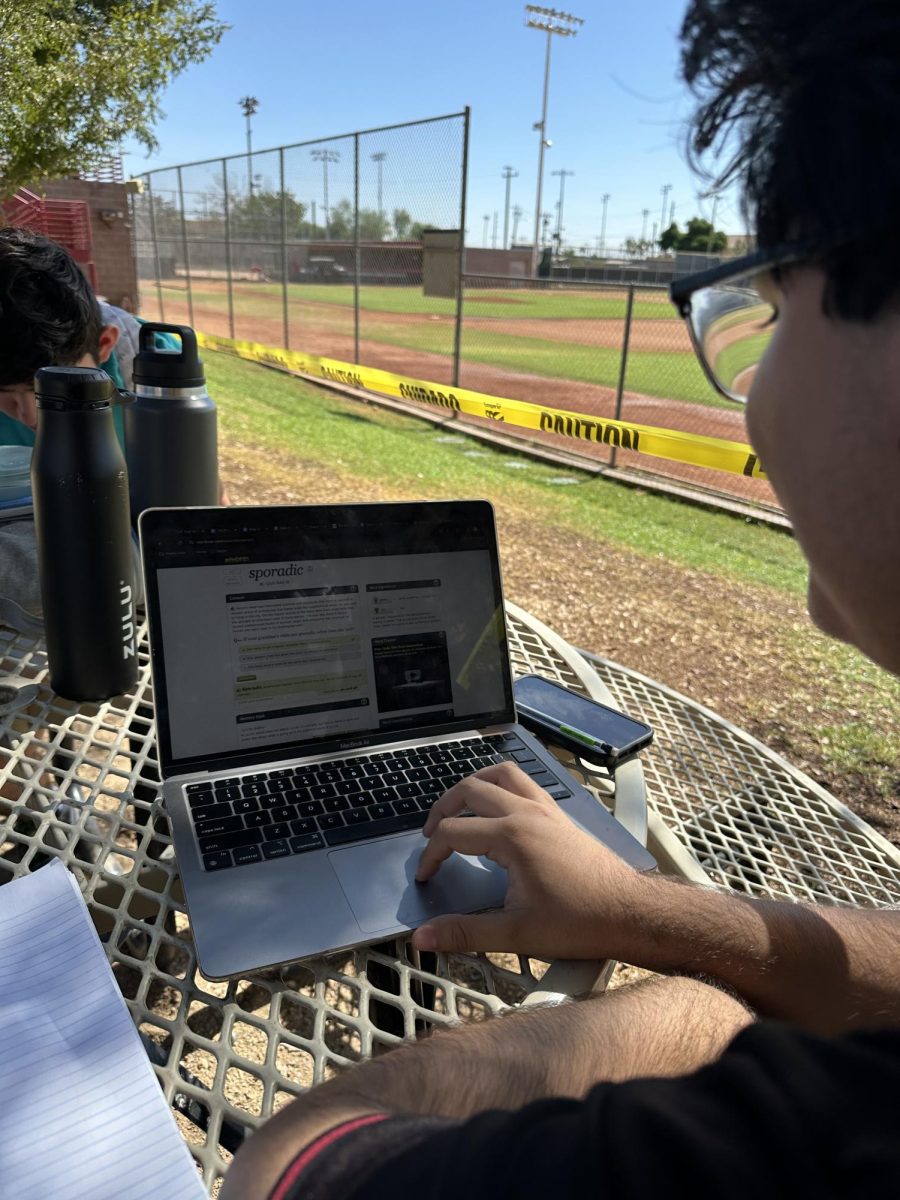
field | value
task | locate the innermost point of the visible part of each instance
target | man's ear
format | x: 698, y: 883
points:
x: 109, y: 335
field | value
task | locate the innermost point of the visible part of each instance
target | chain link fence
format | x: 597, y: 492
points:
x: 318, y: 247
x: 604, y: 351
x: 314, y: 246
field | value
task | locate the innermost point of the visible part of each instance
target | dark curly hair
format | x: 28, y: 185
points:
x: 801, y: 101
x: 48, y: 313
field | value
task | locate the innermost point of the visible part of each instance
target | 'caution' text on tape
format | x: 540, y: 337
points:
x: 693, y: 448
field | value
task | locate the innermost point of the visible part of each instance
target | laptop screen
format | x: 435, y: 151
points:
x: 301, y: 630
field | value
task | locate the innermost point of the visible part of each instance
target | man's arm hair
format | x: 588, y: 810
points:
x: 826, y: 969
x: 662, y: 1027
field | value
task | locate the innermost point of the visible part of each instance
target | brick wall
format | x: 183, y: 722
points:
x: 113, y: 255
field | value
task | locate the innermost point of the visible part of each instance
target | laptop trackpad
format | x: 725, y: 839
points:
x: 378, y: 879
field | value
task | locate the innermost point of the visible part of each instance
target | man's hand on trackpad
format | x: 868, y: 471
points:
x: 568, y: 896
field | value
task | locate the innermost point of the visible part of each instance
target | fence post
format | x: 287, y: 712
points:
x: 135, y: 256
x: 457, y: 335
x: 159, y: 296
x: 184, y: 245
x: 623, y: 365
x: 284, y: 275
x: 228, y: 249
x: 356, y: 255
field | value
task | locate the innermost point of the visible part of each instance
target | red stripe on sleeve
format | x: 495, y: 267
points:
x: 314, y: 1149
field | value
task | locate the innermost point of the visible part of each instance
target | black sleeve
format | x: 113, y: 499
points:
x: 781, y: 1113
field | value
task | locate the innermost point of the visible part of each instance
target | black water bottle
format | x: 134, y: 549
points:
x: 79, y: 485
x: 170, y: 426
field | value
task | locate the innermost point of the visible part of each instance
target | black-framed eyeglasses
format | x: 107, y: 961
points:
x: 730, y: 321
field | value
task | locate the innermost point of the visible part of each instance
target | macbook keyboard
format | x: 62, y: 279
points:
x: 274, y: 814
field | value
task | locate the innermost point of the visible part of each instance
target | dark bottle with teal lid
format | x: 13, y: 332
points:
x: 171, y: 440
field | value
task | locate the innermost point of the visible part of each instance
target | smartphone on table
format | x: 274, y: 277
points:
x: 591, y: 730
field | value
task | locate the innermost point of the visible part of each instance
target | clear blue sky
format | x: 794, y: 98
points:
x: 615, y: 117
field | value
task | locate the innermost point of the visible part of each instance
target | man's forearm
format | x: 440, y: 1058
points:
x: 827, y: 969
x: 663, y: 1028
x: 660, y: 1027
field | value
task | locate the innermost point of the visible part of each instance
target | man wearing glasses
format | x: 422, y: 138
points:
x: 769, y: 1061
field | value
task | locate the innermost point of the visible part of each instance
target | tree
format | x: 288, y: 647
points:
x: 670, y: 239
x: 340, y: 221
x: 638, y: 247
x: 373, y: 226
x: 165, y: 217
x: 402, y: 222
x: 259, y: 215
x: 78, y: 76
x: 699, y: 237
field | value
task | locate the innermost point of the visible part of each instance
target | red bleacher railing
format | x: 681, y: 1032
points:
x: 67, y: 222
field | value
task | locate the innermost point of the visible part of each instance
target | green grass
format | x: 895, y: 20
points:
x: 674, y: 375
x: 858, y: 750
x: 853, y: 726
x: 737, y: 356
x: 290, y: 415
x: 670, y: 375
x: 507, y: 303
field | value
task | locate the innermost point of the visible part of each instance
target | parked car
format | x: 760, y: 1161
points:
x: 321, y: 270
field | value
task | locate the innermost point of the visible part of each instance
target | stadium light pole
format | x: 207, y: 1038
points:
x: 551, y: 22
x: 603, y: 225
x: 509, y: 174
x: 379, y: 158
x: 516, y: 217
x: 487, y: 221
x: 249, y: 105
x: 712, y: 225
x: 665, y: 189
x: 562, y: 173
x: 325, y: 157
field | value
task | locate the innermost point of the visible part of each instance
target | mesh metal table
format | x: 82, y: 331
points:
x: 80, y: 782
x: 725, y: 810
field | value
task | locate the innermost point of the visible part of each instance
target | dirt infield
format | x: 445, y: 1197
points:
x: 334, y: 339
x: 660, y: 336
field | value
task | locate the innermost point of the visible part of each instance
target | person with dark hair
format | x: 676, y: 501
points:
x: 49, y: 316
x: 769, y: 1061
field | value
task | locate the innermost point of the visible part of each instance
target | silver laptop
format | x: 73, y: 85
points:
x: 322, y: 674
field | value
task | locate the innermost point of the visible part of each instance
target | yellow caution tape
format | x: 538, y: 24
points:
x: 691, y: 448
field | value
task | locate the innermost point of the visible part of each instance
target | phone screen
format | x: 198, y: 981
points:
x: 562, y: 707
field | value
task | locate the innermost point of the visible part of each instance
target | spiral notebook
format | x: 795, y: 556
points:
x: 82, y: 1114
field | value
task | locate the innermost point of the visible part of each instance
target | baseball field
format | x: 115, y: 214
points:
x: 555, y: 346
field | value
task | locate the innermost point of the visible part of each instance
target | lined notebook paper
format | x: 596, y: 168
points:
x: 82, y: 1115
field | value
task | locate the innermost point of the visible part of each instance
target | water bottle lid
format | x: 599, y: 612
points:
x: 73, y: 387
x: 164, y: 367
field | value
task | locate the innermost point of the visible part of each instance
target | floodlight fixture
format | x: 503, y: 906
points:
x: 551, y: 20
